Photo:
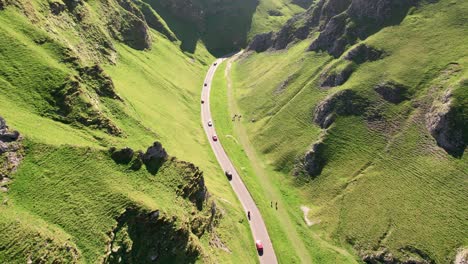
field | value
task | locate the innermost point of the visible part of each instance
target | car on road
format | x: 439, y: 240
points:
x: 215, y: 64
x: 259, y: 246
x: 228, y: 175
x: 202, y: 101
x: 215, y: 138
x: 210, y: 123
x: 205, y: 84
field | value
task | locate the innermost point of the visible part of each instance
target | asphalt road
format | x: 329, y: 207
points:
x: 257, y: 225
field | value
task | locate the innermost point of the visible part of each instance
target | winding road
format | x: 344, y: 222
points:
x: 257, y: 225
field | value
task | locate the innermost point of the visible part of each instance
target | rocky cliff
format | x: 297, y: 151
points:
x: 338, y: 23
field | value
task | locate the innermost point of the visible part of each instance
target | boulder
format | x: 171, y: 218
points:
x: 345, y: 102
x: 123, y: 156
x: 392, y: 92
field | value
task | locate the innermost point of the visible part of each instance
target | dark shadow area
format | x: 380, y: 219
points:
x: 222, y: 25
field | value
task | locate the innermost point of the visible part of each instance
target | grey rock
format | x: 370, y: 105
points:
x: 313, y: 162
x: 440, y: 122
x: 56, y: 7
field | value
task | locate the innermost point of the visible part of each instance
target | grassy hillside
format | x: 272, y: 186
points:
x: 71, y: 102
x: 386, y: 185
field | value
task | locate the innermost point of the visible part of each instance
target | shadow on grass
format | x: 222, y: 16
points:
x: 223, y: 27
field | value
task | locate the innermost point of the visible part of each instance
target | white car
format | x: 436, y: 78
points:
x: 210, y: 123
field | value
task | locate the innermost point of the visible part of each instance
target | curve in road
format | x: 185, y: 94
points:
x: 257, y: 225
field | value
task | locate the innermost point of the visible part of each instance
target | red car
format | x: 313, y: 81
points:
x: 215, y: 138
x: 259, y: 246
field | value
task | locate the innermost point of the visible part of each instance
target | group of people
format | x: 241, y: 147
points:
x: 271, y: 205
x: 236, y: 116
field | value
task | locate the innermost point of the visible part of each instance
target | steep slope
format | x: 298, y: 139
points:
x: 80, y: 78
x: 223, y: 26
x: 362, y: 106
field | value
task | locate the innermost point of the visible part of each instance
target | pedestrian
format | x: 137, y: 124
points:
x: 276, y: 205
x: 271, y: 203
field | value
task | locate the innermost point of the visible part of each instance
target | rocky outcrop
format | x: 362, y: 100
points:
x: 102, y: 83
x: 2, y: 5
x: 193, y: 186
x: 340, y: 23
x: 11, y: 153
x: 75, y: 102
x: 392, y: 92
x: 345, y: 102
x: 363, y: 53
x: 122, y: 156
x: 410, y: 255
x: 151, y: 237
x: 361, y: 19
x: 336, y: 77
x: 443, y: 124
x: 313, y: 162
x: 154, y: 157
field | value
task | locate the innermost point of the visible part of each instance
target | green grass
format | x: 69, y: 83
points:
x: 285, y: 226
x: 388, y: 186
x: 67, y: 191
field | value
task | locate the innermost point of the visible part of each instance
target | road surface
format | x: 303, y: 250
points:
x: 257, y: 226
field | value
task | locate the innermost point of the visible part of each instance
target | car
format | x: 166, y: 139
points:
x: 259, y: 246
x: 210, y: 123
x: 215, y: 138
x: 228, y: 175
x: 205, y: 84
x: 202, y: 101
x: 215, y: 64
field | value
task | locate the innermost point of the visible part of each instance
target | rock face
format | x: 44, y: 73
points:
x: 440, y: 122
x: 150, y: 237
x: 392, y: 92
x: 345, y: 102
x: 11, y: 153
x: 340, y: 23
x: 194, y: 187
x: 313, y: 161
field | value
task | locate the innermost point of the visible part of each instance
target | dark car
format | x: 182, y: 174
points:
x: 228, y: 175
x: 205, y: 84
x: 215, y: 64
x: 202, y: 101
x: 215, y: 138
